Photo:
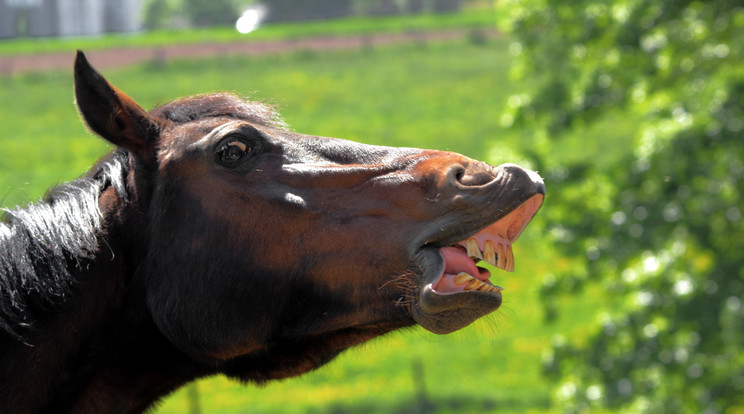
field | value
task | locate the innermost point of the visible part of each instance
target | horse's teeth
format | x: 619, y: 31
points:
x: 473, y: 284
x: 462, y: 278
x: 489, y: 253
x: 509, y: 258
x: 495, y: 289
x: 500, y: 261
x: 473, y: 249
x: 495, y: 253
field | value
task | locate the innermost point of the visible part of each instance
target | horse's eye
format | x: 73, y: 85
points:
x: 232, y: 151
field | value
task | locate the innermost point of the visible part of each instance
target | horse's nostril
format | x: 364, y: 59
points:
x: 459, y: 174
x: 471, y: 175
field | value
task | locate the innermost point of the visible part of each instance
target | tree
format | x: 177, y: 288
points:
x: 156, y: 13
x: 662, y: 228
x: 211, y: 12
x: 291, y: 10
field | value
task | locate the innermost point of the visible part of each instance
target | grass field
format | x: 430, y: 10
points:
x: 468, y: 19
x: 444, y: 96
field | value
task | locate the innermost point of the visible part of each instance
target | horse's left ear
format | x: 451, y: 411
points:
x: 112, y: 114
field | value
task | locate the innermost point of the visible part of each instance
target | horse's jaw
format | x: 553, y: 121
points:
x: 453, y: 290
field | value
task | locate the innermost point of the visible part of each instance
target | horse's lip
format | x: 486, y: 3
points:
x: 447, y: 312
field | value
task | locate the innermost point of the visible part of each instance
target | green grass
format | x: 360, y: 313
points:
x: 443, y: 96
x: 468, y: 19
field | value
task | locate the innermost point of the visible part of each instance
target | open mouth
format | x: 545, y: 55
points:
x: 455, y: 291
x: 492, y: 245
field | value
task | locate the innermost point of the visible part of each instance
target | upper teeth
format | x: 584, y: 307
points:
x: 473, y: 249
x: 499, y: 254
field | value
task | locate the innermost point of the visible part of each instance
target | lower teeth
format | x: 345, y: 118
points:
x: 472, y: 283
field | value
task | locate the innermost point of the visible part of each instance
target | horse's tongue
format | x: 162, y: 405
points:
x: 457, y: 261
x: 461, y: 273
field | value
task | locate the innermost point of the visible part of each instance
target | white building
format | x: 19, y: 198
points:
x: 68, y: 17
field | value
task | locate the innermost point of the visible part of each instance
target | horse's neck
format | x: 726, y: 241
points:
x: 55, y: 353
x: 101, y: 353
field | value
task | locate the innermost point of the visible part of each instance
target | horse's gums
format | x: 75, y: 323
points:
x: 214, y: 240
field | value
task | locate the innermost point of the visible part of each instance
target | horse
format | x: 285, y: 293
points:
x: 214, y: 240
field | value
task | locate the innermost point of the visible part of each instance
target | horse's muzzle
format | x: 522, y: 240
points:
x: 484, y: 210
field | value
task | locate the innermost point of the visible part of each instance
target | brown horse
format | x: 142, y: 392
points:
x: 214, y: 240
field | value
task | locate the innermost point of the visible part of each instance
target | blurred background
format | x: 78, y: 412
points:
x: 629, y: 283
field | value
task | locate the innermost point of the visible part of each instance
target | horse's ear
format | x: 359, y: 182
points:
x: 112, y: 114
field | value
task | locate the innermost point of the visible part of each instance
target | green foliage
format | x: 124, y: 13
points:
x: 211, y: 12
x: 661, y: 229
x: 284, y: 10
x: 156, y: 14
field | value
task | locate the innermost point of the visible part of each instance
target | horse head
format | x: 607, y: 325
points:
x: 271, y: 251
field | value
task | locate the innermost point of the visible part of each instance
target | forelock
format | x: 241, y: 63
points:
x: 198, y: 107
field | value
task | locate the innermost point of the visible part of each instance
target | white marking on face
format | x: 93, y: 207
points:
x: 295, y: 200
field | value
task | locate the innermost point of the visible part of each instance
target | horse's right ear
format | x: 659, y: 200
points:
x: 112, y: 114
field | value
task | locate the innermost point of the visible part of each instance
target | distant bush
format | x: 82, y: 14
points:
x: 156, y: 14
x: 211, y: 12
